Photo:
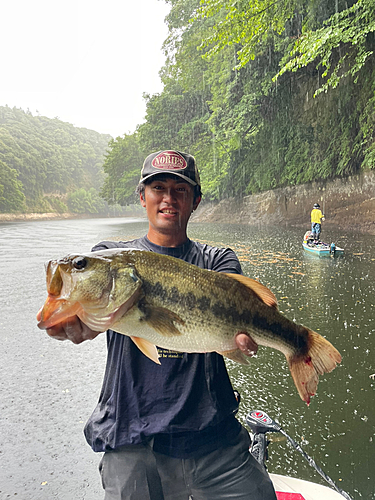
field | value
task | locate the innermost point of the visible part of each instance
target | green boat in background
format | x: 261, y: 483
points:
x: 319, y: 248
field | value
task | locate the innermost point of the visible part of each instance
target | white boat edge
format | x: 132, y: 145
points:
x: 309, y: 491
x: 323, y: 251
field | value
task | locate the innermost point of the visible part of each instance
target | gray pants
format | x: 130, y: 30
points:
x: 139, y: 473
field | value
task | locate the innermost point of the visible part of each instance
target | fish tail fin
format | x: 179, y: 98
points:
x: 321, y: 358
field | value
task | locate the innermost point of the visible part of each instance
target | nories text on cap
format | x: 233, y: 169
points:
x: 172, y: 162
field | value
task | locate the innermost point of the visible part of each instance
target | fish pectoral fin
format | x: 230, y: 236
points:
x: 263, y: 293
x: 236, y: 355
x: 163, y: 321
x: 147, y: 348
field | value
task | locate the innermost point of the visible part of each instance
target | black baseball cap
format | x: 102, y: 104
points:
x: 171, y: 162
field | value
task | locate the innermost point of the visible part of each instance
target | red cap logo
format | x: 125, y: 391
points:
x: 169, y: 160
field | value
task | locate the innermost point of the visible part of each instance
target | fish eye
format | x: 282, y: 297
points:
x: 134, y: 277
x: 79, y: 263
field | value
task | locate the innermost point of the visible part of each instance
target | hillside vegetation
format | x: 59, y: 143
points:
x: 264, y: 94
x: 47, y: 165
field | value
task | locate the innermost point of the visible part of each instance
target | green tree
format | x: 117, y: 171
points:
x: 339, y: 49
x: 85, y: 202
x: 12, y: 198
x: 51, y: 157
x: 122, y: 166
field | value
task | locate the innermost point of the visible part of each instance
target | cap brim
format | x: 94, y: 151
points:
x: 190, y: 181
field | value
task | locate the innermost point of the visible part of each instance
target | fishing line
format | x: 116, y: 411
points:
x: 260, y: 423
x: 313, y: 464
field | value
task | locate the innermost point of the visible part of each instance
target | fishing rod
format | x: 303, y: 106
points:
x: 260, y: 423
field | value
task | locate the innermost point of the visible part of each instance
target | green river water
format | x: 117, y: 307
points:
x: 49, y: 388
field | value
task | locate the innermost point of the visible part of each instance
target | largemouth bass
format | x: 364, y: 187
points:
x: 163, y: 301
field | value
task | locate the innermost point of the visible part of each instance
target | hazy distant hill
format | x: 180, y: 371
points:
x: 43, y: 161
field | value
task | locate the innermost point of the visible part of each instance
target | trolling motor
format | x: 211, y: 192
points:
x: 260, y: 423
x: 332, y: 249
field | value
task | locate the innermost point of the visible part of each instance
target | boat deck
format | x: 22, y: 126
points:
x: 290, y: 488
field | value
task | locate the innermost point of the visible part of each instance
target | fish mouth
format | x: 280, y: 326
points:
x: 57, y: 310
x: 54, y: 278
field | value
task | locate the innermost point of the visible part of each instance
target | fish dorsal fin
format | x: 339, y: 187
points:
x: 147, y: 348
x: 163, y: 320
x: 264, y: 293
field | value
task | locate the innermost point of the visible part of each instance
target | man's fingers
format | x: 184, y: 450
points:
x: 72, y: 329
x: 78, y: 332
x: 57, y: 333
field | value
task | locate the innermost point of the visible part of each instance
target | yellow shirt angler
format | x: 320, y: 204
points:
x: 316, y: 215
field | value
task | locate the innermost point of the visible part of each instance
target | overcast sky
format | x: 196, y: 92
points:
x: 86, y: 62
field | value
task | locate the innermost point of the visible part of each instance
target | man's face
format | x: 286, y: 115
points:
x: 169, y: 202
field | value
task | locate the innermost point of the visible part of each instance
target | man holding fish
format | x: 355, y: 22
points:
x: 165, y: 419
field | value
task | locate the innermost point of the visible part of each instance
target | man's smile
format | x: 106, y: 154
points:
x: 169, y: 211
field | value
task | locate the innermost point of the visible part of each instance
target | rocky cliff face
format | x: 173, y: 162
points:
x: 347, y: 203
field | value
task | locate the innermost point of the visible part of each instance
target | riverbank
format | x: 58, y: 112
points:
x: 55, y: 216
x: 35, y: 216
x: 348, y: 204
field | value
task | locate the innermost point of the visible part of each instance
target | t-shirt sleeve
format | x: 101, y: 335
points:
x: 226, y: 261
x: 106, y: 245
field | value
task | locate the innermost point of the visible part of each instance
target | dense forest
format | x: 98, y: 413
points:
x: 47, y: 165
x: 263, y: 93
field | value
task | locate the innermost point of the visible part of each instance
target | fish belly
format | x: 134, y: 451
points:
x: 194, y: 335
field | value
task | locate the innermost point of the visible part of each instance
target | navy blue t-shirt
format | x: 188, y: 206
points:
x: 187, y: 403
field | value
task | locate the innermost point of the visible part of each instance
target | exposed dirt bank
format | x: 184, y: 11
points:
x: 349, y: 204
